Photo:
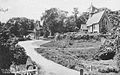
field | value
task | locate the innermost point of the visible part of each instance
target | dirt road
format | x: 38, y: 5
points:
x: 49, y: 67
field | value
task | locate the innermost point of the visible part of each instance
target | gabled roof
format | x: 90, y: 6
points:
x: 95, y: 18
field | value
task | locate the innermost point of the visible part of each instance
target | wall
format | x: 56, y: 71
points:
x: 93, y: 28
x: 83, y: 26
x: 109, y: 25
x: 105, y: 23
x: 96, y: 29
x: 90, y: 29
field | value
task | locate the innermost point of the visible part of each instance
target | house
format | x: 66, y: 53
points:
x: 84, y: 27
x: 98, y: 21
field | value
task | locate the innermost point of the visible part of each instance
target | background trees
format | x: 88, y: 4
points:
x: 9, y: 51
x: 53, y: 20
x: 56, y: 20
x: 70, y: 24
x: 19, y: 26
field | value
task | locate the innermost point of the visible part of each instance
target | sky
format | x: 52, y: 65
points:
x: 33, y: 9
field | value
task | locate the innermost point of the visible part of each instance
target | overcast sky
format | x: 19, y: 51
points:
x: 33, y: 8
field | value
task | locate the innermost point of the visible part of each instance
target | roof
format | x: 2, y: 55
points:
x: 95, y: 18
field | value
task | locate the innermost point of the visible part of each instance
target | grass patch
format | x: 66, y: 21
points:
x: 78, y: 58
x: 76, y: 54
x: 72, y: 44
x: 70, y: 58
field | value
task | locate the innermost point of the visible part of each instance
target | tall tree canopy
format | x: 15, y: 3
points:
x: 70, y: 24
x: 53, y: 20
x: 82, y: 19
x: 19, y: 26
x: 9, y: 34
x: 9, y: 51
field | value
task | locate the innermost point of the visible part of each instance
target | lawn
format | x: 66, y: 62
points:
x: 71, y: 44
x: 75, y: 55
x: 68, y: 58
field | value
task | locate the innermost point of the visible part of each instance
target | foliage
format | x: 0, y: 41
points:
x: 19, y: 55
x: 107, y: 51
x: 104, y: 30
x: 67, y: 57
x: 117, y: 58
x: 53, y: 20
x: 9, y: 51
x: 19, y: 26
x: 113, y: 17
x: 82, y: 19
x: 70, y: 24
x: 108, y: 70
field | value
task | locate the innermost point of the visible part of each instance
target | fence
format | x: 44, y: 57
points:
x: 36, y: 71
x: 92, y: 69
x: 27, y: 72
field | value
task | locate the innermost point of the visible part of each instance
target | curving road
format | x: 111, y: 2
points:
x: 48, y: 67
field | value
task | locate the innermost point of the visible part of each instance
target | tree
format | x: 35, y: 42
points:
x: 70, y: 24
x: 82, y: 19
x: 19, y: 55
x: 53, y: 20
x: 9, y: 52
x: 104, y: 30
x: 19, y: 26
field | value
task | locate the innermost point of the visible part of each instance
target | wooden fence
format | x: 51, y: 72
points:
x: 27, y: 72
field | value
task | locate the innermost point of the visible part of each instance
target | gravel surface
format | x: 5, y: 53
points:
x: 48, y: 67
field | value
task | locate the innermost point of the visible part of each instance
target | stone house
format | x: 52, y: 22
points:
x: 84, y: 27
x: 98, y: 21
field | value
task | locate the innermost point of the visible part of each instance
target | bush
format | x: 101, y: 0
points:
x: 106, y: 53
x: 20, y: 56
x: 108, y: 70
x: 59, y: 36
x: 117, y: 58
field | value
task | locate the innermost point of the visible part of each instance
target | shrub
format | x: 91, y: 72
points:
x: 117, y: 58
x: 57, y: 36
x: 108, y: 70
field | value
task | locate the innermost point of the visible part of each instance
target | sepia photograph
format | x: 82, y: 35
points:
x: 59, y: 37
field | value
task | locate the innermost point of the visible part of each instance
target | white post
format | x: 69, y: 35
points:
x: 15, y: 73
x: 36, y: 70
x: 27, y: 73
x: 91, y: 67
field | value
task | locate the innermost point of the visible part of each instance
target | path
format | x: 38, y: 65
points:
x: 49, y: 67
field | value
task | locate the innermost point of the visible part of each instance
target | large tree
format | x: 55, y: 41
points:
x: 19, y: 26
x: 9, y: 51
x: 82, y: 19
x: 53, y: 20
x: 70, y: 24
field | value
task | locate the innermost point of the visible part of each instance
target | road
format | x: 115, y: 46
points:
x: 48, y: 67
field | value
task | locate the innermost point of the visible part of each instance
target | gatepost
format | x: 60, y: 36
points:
x: 81, y: 71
